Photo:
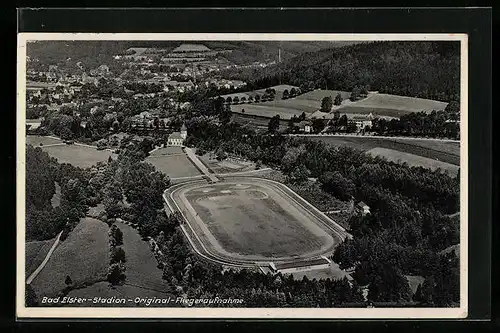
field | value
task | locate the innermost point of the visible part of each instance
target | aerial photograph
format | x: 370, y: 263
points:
x: 242, y: 173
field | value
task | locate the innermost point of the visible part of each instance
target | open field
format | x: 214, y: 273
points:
x: 55, y: 201
x: 172, y: 163
x: 36, y: 140
x: 318, y: 95
x: 36, y: 251
x: 403, y: 103
x: 414, y: 160
x: 414, y: 281
x: 80, y: 156
x: 448, y: 152
x: 142, y: 270
x: 244, y: 220
x: 84, y: 256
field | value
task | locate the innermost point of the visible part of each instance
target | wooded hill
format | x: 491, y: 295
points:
x: 416, y: 69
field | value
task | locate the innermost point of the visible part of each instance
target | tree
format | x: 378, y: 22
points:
x: 229, y: 100
x: 68, y: 281
x: 116, y: 273
x: 285, y: 94
x: 293, y: 92
x: 338, y: 185
x: 326, y: 104
x: 338, y: 99
x: 318, y: 125
x: 274, y: 124
x: 236, y: 100
x: 355, y: 94
x: 243, y: 99
x: 117, y: 255
x: 257, y: 98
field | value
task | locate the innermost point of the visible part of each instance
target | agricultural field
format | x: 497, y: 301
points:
x: 383, y: 105
x: 84, y: 256
x: 36, y: 251
x: 445, y: 151
x: 173, y: 162
x: 318, y: 95
x: 404, y: 103
x: 36, y: 140
x: 253, y: 221
x: 414, y: 160
x: 55, y: 201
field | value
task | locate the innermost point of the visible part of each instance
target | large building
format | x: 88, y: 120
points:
x: 177, y: 138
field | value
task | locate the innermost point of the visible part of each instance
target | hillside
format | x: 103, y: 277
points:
x: 428, y: 70
x: 95, y: 53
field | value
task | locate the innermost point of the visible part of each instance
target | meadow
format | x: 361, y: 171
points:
x: 84, y: 256
x: 36, y: 251
x: 80, y: 156
x: 448, y: 152
x: 414, y: 160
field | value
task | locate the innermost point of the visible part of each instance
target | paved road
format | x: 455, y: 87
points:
x: 192, y: 156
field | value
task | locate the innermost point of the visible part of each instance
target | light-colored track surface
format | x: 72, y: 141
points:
x: 206, y: 245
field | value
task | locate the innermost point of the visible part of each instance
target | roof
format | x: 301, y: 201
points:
x: 304, y: 123
x: 191, y: 48
x: 301, y: 263
x: 183, y: 128
x: 322, y: 115
x: 175, y: 135
x: 362, y: 204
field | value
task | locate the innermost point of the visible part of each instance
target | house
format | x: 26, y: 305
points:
x: 304, y: 126
x: 362, y: 122
x: 177, y: 138
x: 364, y: 208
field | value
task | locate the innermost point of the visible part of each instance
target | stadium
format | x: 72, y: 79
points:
x: 250, y: 222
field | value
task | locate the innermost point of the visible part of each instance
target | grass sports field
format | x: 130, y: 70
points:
x: 84, y: 256
x: 173, y: 162
x: 444, y: 151
x: 250, y: 219
x: 414, y: 160
x: 80, y: 156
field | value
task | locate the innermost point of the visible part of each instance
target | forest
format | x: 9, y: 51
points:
x: 42, y: 172
x: 388, y: 67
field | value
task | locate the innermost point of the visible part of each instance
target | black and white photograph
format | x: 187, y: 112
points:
x: 242, y: 175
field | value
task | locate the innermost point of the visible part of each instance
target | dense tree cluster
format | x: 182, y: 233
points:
x: 42, y: 172
x: 437, y: 124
